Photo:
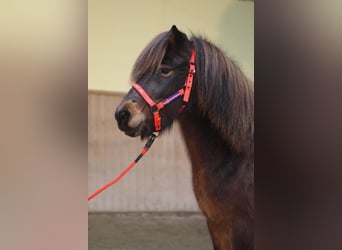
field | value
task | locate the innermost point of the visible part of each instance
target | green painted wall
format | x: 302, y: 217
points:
x: 119, y: 30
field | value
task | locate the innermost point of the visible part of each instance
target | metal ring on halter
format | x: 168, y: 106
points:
x: 154, y: 108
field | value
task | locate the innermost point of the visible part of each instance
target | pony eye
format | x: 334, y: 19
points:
x: 165, y: 71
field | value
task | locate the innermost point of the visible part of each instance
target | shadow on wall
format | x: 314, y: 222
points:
x: 238, y: 43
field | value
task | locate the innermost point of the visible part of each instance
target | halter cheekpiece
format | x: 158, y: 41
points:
x: 185, y: 92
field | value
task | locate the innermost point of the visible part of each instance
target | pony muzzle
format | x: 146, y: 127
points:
x: 129, y: 117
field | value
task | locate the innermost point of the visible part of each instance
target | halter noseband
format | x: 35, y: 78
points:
x: 185, y: 92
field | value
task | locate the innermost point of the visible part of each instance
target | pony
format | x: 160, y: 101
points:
x: 194, y: 82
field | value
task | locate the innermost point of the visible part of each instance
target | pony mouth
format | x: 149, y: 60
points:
x: 143, y: 129
x: 133, y: 132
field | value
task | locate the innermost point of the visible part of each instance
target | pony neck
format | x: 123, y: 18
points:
x: 201, y: 138
x: 224, y: 97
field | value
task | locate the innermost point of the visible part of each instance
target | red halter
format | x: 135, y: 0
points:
x: 185, y: 92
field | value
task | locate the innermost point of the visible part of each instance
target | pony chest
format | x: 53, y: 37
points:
x: 207, y: 192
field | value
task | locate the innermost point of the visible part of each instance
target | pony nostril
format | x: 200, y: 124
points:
x: 122, y: 116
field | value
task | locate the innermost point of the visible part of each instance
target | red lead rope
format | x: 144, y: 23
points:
x: 145, y: 149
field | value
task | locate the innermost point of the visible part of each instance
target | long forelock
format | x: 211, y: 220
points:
x: 150, y: 58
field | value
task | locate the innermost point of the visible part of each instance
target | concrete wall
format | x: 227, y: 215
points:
x: 118, y: 30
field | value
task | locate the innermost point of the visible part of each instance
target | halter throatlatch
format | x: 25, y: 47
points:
x: 185, y: 92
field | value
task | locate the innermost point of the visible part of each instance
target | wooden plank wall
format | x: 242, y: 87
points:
x: 161, y: 181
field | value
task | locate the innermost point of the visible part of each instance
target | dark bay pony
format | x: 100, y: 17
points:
x: 191, y: 80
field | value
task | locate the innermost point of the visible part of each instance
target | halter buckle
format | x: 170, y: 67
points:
x: 192, y: 68
x: 157, y: 121
x: 154, y: 108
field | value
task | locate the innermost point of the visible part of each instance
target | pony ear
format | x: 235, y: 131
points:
x: 177, y: 39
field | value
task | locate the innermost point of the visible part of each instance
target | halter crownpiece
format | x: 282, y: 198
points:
x: 185, y: 92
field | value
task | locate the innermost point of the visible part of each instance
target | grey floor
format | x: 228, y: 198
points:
x: 147, y: 232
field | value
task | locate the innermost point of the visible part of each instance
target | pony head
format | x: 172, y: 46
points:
x: 160, y: 70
